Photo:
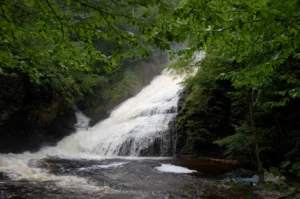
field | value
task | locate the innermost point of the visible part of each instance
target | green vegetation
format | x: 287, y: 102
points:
x: 54, y: 55
x: 69, y: 47
x: 252, y: 61
x: 244, y: 96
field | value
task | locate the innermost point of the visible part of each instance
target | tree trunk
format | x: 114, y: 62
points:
x: 254, y: 129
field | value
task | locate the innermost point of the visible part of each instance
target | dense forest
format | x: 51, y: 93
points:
x: 56, y: 56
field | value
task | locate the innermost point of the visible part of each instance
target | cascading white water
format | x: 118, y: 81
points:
x: 82, y: 121
x: 139, y: 126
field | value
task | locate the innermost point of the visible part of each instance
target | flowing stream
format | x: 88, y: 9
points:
x: 128, y: 155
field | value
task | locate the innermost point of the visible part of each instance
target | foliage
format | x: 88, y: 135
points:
x: 236, y: 144
x: 251, y: 67
x: 208, y: 91
x: 130, y: 82
x: 205, y: 115
x: 181, y: 65
x: 260, y: 41
x: 238, y: 30
x: 122, y: 84
x: 69, y: 47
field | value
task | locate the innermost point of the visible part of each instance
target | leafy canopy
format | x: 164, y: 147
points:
x: 259, y: 35
x: 71, y: 45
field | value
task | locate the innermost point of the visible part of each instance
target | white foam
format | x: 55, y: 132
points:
x: 16, y: 167
x: 82, y: 121
x: 169, y: 168
x: 131, y: 128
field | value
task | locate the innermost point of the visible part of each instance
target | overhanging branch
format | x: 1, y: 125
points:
x: 59, y: 20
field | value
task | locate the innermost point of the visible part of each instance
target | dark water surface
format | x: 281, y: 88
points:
x: 126, y: 178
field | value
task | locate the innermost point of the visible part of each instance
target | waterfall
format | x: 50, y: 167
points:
x: 140, y: 126
x: 137, y: 127
x: 82, y: 121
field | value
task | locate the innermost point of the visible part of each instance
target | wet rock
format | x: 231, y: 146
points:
x: 153, y: 150
x: 279, y: 179
x: 42, y: 115
x: 12, y: 92
x: 30, y: 116
x: 198, y: 127
x: 177, y: 129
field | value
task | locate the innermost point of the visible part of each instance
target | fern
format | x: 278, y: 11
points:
x: 236, y: 144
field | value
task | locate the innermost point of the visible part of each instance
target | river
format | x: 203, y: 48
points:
x: 130, y: 177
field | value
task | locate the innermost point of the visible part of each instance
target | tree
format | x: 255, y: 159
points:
x: 70, y: 46
x: 260, y: 36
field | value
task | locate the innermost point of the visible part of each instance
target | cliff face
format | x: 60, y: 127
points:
x: 199, y: 126
x: 29, y: 117
x: 12, y: 92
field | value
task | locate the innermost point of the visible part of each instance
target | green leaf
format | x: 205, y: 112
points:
x: 231, y: 183
x: 285, y: 164
x: 268, y: 186
x: 218, y: 182
x: 240, y: 185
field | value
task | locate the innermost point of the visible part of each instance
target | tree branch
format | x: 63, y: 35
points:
x: 18, y: 7
x: 4, y: 16
x: 101, y: 13
x: 58, y: 19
